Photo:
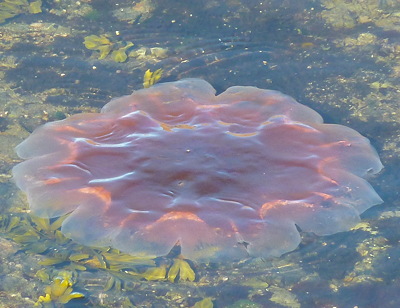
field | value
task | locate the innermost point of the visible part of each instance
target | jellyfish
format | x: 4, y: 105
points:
x: 226, y: 176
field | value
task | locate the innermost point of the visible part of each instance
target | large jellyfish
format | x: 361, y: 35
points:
x: 226, y: 176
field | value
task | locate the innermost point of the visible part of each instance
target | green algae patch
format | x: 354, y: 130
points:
x: 180, y: 270
x: 100, y: 43
x: 59, y: 291
x: 104, y: 46
x: 118, y: 50
x: 204, y: 303
x: 283, y: 297
x: 347, y: 14
x: 120, y: 55
x: 150, y: 78
x: 155, y: 273
x: 12, y: 8
x: 35, y: 7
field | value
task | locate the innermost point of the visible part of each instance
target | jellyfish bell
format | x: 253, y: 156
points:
x: 226, y: 176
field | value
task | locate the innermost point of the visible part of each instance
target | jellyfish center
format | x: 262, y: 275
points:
x: 201, y: 163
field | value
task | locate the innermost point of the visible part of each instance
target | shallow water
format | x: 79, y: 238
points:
x: 342, y: 60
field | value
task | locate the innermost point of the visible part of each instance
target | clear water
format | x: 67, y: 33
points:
x: 342, y: 58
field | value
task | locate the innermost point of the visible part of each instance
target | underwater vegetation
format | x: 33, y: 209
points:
x: 120, y: 55
x: 351, y: 13
x: 59, y: 291
x: 94, y: 14
x: 119, y: 50
x: 103, y: 45
x: 67, y: 259
x: 205, y: 303
x: 12, y: 8
x: 180, y: 270
x: 39, y: 235
x: 34, y: 234
x: 152, y: 53
x: 100, y: 43
x: 150, y: 78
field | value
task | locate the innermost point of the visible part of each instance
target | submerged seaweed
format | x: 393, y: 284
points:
x: 59, y: 291
x: 12, y: 8
x: 150, y: 78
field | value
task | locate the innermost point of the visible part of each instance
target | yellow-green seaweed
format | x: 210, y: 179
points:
x: 150, y: 78
x: 8, y: 223
x: 12, y: 8
x: 35, y: 7
x: 101, y: 43
x: 155, y: 273
x: 204, y: 303
x: 120, y: 55
x: 43, y: 236
x: 105, y: 46
x: 183, y: 269
x: 36, y: 234
x: 149, y: 54
x: 42, y: 275
x: 59, y: 291
x: 180, y: 270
